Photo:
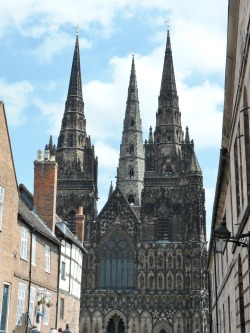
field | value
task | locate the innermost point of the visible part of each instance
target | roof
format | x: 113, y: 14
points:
x: 34, y: 221
x: 63, y: 229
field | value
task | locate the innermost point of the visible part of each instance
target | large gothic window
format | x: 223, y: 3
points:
x: 117, y: 264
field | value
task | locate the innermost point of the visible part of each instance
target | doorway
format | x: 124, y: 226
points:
x: 115, y: 325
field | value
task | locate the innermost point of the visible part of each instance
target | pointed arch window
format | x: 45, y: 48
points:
x: 132, y: 122
x: 131, y: 173
x: 131, y: 200
x: 131, y: 149
x: 117, y: 264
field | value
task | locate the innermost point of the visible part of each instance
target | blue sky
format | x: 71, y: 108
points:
x: 37, y: 43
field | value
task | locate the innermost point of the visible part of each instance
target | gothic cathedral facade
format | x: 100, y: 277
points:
x: 146, y: 267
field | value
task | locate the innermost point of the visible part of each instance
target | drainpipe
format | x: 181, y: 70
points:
x: 58, y: 282
x: 32, y: 230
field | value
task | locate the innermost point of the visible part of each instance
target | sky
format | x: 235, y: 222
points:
x: 37, y: 44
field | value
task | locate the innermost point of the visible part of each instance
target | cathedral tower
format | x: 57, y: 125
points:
x: 146, y: 271
x: 130, y: 171
x: 75, y: 155
x: 173, y: 195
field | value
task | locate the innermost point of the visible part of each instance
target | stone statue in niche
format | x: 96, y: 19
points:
x: 160, y: 261
x: 151, y: 282
x: 141, y: 281
x: 142, y: 260
x: 151, y: 261
x: 178, y: 261
x: 170, y: 282
x: 160, y: 281
x: 170, y: 261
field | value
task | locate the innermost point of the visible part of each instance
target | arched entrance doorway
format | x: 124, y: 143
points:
x: 163, y: 331
x: 115, y: 325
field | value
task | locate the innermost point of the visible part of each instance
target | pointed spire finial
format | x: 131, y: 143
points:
x: 150, y: 137
x: 110, y: 189
x: 187, y: 139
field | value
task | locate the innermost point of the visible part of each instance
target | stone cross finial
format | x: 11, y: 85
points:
x: 168, y: 23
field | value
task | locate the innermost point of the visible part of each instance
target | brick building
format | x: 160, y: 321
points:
x: 9, y: 240
x: 41, y: 276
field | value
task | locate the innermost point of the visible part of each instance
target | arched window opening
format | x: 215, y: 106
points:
x: 132, y: 122
x: 131, y: 173
x: 117, y: 264
x: 131, y: 200
x: 115, y: 325
x: 131, y: 149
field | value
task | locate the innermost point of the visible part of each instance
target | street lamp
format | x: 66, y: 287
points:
x: 222, y: 236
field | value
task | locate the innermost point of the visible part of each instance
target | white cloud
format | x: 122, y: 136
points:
x: 201, y: 108
x: 53, y: 112
x: 16, y: 97
x: 54, y: 44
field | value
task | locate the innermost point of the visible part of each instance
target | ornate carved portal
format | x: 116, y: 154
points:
x: 115, y: 325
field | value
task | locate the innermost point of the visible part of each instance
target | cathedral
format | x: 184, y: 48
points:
x: 146, y: 269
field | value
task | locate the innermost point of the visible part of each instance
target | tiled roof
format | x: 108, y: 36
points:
x: 34, y: 221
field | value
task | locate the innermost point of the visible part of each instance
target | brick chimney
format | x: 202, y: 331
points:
x: 45, y: 186
x: 80, y: 219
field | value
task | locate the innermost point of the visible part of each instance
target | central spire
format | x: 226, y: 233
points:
x: 75, y: 84
x: 168, y: 78
x: 131, y: 162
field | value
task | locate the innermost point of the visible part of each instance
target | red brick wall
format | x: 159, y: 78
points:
x: 9, y: 240
x: 45, y: 180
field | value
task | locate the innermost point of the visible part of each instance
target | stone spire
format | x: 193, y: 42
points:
x: 75, y: 155
x: 168, y: 135
x: 75, y: 83
x: 110, y: 189
x: 170, y: 162
x: 130, y: 171
x: 168, y: 118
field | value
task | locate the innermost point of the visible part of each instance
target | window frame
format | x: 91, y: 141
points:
x: 5, y: 328
x: 61, y: 309
x: 47, y: 258
x: 63, y: 270
x: 20, y: 303
x: 33, y: 254
x: 46, y: 313
x: 24, y: 243
x: 32, y: 303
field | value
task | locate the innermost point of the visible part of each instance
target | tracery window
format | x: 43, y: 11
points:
x: 117, y: 264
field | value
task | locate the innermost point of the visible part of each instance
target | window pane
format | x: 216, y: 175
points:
x: 5, y: 307
x: 32, y: 303
x: 20, y: 302
x: 47, y: 258
x: 24, y: 246
x: 33, y: 257
x: 61, y: 308
x: 63, y: 273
